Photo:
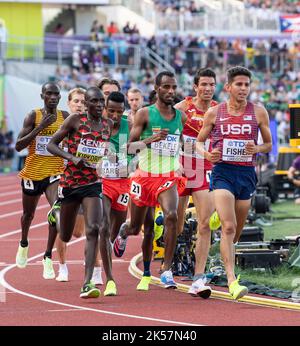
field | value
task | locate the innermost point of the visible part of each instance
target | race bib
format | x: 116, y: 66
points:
x: 54, y: 178
x: 123, y: 199
x: 234, y: 151
x: 93, y: 154
x: 41, y: 143
x: 114, y: 169
x: 28, y: 184
x: 189, y: 147
x: 166, y: 147
x: 136, y: 189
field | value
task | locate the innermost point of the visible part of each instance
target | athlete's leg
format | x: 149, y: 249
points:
x: 182, y: 205
x: 168, y: 201
x: 92, y: 209
x: 225, y: 206
x: 105, y: 247
x: 51, y: 195
x: 137, y: 218
x: 79, y: 226
x: 147, y: 245
x: 204, y: 205
x: 241, y: 211
x: 29, y: 206
x: 117, y: 218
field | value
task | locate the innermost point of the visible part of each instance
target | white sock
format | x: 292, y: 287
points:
x: 63, y: 267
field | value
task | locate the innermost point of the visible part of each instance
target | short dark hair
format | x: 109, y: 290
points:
x: 204, y: 72
x: 116, y: 96
x: 44, y: 86
x: 92, y: 90
x: 160, y: 76
x: 104, y: 81
x: 237, y: 71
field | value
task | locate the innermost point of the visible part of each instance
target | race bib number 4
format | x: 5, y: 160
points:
x: 235, y: 151
x: 166, y: 147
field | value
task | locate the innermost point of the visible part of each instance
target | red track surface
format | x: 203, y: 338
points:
x: 33, y: 301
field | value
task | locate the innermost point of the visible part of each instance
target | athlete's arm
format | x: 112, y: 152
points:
x: 68, y: 126
x: 208, y: 124
x: 29, y: 131
x: 65, y: 114
x: 264, y: 126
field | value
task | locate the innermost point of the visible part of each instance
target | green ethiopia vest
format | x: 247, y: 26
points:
x: 163, y: 156
x: 117, y: 170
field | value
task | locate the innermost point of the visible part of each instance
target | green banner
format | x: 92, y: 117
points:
x: 1, y: 100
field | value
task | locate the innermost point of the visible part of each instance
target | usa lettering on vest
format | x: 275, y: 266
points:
x: 236, y: 129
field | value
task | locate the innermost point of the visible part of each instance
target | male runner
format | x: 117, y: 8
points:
x: 156, y: 132
x: 233, y: 126
x: 88, y: 135
x: 197, y: 170
x: 42, y: 170
x: 135, y: 100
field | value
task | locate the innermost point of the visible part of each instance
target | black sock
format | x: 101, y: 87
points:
x: 48, y: 254
x: 147, y: 268
x: 24, y: 243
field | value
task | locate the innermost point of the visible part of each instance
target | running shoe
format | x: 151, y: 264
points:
x: 97, y: 277
x: 120, y: 242
x: 89, y: 291
x: 51, y: 215
x: 198, y: 289
x: 22, y: 256
x: 48, y: 272
x: 236, y: 290
x: 144, y: 283
x: 111, y: 289
x: 63, y: 274
x: 166, y: 278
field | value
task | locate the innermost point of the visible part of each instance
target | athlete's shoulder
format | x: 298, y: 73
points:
x: 182, y: 105
x: 65, y: 114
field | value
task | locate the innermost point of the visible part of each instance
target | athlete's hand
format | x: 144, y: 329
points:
x: 78, y: 161
x: 47, y: 121
x: 251, y: 148
x: 160, y: 135
x: 214, y: 156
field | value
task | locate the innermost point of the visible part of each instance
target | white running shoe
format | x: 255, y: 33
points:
x: 198, y: 289
x: 97, y: 276
x: 48, y: 272
x: 22, y: 256
x: 63, y: 274
x: 166, y: 278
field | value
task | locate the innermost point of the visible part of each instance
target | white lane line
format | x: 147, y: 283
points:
x: 16, y: 192
x: 6, y: 285
x: 11, y: 201
x: 43, y: 206
x: 19, y: 230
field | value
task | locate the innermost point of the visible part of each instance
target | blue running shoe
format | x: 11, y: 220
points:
x: 166, y: 278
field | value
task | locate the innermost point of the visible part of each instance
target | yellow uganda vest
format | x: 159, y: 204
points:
x: 39, y: 163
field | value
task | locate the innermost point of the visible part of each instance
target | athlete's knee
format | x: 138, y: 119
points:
x: 27, y: 216
x: 171, y: 216
x: 65, y: 237
x: 92, y: 230
x: 105, y: 229
x: 203, y: 227
x: 229, y: 227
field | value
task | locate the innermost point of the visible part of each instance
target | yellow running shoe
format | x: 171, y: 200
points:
x: 22, y: 255
x: 236, y: 290
x: 144, y: 283
x: 214, y: 221
x: 111, y: 288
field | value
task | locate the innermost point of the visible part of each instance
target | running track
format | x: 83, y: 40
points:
x: 29, y: 300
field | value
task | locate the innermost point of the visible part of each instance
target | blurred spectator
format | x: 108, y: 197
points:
x: 59, y: 29
x: 112, y: 28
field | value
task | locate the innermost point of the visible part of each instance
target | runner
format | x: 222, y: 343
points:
x: 88, y: 135
x: 156, y: 132
x: 42, y: 170
x: 234, y: 126
x: 135, y: 100
x: 197, y: 170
